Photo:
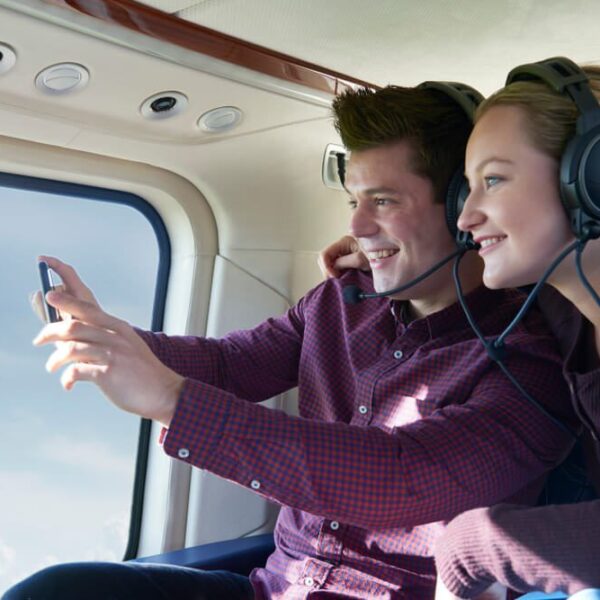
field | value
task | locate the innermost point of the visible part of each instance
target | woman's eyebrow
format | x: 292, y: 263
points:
x: 486, y: 161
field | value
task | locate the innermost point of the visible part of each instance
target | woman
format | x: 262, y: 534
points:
x: 515, y: 212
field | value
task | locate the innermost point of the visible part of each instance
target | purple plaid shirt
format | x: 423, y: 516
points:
x: 401, y: 426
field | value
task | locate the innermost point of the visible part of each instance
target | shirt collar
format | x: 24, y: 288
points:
x: 448, y: 319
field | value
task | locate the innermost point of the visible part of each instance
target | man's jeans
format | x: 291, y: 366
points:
x: 130, y: 581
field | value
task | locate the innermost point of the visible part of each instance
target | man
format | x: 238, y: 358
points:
x: 404, y: 421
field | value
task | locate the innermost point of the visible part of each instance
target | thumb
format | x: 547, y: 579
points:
x: 37, y: 305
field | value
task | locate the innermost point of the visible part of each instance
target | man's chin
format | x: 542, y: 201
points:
x: 385, y: 285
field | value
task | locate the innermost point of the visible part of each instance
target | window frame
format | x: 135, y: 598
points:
x: 89, y: 192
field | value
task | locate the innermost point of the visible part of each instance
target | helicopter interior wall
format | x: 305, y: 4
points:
x: 246, y: 212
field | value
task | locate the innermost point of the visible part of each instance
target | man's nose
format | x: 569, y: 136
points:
x: 363, y: 222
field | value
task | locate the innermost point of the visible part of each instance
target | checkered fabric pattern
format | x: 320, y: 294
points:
x: 401, y: 427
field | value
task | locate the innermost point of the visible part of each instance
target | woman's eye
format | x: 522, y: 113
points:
x: 491, y: 181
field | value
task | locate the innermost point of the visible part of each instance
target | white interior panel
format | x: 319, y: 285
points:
x: 406, y: 42
x: 238, y: 301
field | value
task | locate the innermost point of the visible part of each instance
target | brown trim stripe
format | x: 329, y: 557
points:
x: 163, y: 26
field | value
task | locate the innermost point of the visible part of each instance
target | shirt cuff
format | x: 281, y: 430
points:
x: 197, y: 424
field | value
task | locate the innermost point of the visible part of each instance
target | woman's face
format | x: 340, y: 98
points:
x: 514, y: 209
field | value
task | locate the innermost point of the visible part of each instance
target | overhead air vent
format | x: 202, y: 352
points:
x: 8, y: 58
x: 62, y: 78
x: 219, y: 120
x: 330, y: 168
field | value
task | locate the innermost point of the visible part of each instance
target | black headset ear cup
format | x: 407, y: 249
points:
x: 580, y: 175
x: 580, y: 163
x: 453, y: 201
x: 468, y: 99
x: 456, y: 196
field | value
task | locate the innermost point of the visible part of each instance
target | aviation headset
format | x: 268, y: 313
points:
x: 458, y: 189
x: 580, y: 162
x: 468, y: 99
x: 456, y: 194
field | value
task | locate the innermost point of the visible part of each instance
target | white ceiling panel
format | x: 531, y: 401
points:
x: 405, y: 42
x: 172, y: 6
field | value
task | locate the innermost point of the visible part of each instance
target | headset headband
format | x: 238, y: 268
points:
x: 580, y: 162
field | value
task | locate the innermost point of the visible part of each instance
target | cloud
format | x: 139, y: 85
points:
x: 13, y: 570
x: 44, y: 523
x: 7, y: 559
x: 92, y: 455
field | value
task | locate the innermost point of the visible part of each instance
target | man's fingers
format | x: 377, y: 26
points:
x: 80, y: 372
x: 77, y: 352
x: 37, y: 304
x: 74, y: 330
x: 83, y: 310
x: 71, y: 279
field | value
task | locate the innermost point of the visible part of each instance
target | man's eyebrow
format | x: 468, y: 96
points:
x: 377, y: 190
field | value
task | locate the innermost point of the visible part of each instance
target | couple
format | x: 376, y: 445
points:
x: 405, y: 422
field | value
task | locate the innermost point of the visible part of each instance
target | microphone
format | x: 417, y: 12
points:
x: 352, y: 294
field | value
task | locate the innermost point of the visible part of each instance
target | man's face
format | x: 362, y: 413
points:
x: 395, y: 220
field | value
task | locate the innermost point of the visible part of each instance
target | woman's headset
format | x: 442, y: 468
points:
x: 580, y: 162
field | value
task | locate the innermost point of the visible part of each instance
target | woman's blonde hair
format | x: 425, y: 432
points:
x: 551, y: 116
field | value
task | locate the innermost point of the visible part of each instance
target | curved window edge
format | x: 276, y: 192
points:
x: 88, y: 192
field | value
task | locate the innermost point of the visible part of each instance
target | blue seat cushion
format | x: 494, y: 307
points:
x: 238, y: 556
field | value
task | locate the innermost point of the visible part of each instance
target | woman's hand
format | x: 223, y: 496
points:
x: 341, y: 255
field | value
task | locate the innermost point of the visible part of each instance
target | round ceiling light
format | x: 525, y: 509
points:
x: 219, y: 120
x: 62, y: 78
x: 163, y: 105
x: 8, y: 58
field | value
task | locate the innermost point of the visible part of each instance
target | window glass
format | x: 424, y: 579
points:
x: 67, y: 459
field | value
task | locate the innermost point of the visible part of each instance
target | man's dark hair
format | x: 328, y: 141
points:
x: 433, y: 122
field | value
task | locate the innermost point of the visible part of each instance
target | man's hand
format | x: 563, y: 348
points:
x: 341, y: 255
x: 107, y: 351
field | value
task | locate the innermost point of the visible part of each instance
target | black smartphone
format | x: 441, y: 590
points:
x: 47, y: 286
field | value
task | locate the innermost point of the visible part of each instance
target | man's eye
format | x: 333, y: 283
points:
x: 352, y: 204
x: 382, y: 201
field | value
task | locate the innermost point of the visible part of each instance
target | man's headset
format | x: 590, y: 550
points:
x: 468, y: 99
x: 456, y: 195
x: 458, y: 189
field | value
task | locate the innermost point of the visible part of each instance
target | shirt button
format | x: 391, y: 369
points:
x: 308, y: 581
x: 334, y: 525
x: 183, y: 453
x: 255, y: 484
x: 362, y: 409
x: 398, y: 354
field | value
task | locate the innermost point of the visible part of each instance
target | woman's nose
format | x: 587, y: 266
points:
x: 470, y: 216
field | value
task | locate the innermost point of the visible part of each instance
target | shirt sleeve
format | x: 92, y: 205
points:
x: 254, y: 364
x: 462, y: 456
x: 551, y: 548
